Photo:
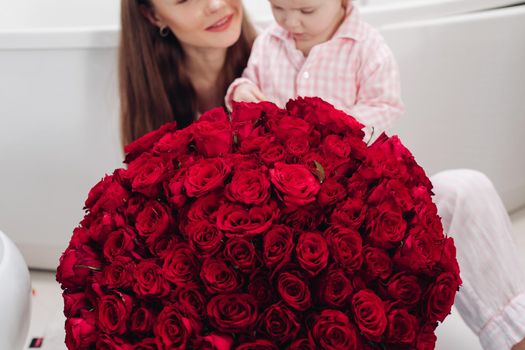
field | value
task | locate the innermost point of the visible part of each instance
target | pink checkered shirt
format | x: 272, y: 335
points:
x: 355, y: 71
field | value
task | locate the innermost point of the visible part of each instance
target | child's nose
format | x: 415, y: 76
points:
x: 292, y: 22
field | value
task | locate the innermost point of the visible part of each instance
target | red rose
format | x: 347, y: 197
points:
x: 426, y: 339
x: 448, y: 258
x: 204, y: 209
x: 172, y: 329
x: 378, y: 263
x: 241, y: 254
x: 81, y: 236
x: 331, y: 193
x: 302, y: 218
x: 232, y: 313
x: 180, y: 265
x: 255, y: 144
x: 147, y: 173
x: 153, y: 221
x: 404, y: 288
x: 218, y: 277
x: 336, y: 288
x: 277, y: 246
x: 302, y: 344
x: 113, y: 313
x: 419, y: 252
x: 76, y: 265
x: 81, y: 332
x: 244, y: 162
x: 279, y: 323
x: 272, y: 153
x: 250, y: 187
x: 297, y: 146
x: 249, y: 111
x: 401, y: 327
x: 120, y: 243
x: 392, y: 191
x: 213, y: 138
x: 74, y: 303
x: 385, y: 225
x: 441, y: 297
x: 261, y: 289
x: 369, y: 313
x: 247, y: 120
x: 205, y: 176
x: 345, y: 246
x: 149, y: 280
x: 107, y: 195
x: 146, y: 142
x: 260, y: 344
x: 288, y: 126
x: 141, y: 320
x: 174, y: 190
x: 295, y: 183
x: 325, y: 116
x: 332, y: 330
x: 312, y: 252
x: 102, y: 224
x: 118, y: 273
x: 239, y: 221
x: 294, y: 291
x: 190, y: 301
x: 334, y: 145
x: 174, y: 145
x: 205, y: 239
x: 214, y: 341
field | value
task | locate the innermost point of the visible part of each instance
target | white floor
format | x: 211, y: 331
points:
x: 47, y: 318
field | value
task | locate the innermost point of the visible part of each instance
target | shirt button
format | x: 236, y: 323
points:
x: 306, y: 75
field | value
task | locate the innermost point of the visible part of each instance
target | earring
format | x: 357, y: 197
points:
x: 164, y: 31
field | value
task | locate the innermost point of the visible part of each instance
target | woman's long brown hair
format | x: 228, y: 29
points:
x: 154, y: 87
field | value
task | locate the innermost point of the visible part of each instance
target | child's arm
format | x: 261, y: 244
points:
x: 247, y: 88
x: 378, y: 98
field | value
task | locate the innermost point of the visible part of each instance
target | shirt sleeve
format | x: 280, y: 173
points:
x: 251, y: 73
x: 378, y: 99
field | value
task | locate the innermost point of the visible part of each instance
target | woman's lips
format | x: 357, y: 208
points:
x: 221, y: 25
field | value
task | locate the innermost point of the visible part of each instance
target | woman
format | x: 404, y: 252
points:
x: 177, y: 57
x: 163, y: 74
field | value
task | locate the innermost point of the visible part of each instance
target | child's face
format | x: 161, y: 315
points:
x: 310, y: 22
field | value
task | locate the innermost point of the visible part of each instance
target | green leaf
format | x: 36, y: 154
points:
x: 319, y: 171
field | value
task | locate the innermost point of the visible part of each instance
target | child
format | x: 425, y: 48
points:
x: 323, y: 48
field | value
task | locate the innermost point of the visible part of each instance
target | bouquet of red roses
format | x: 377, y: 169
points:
x: 267, y: 229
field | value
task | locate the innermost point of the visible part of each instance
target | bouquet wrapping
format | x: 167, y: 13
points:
x: 268, y: 228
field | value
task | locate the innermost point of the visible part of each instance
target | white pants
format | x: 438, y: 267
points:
x: 492, y: 297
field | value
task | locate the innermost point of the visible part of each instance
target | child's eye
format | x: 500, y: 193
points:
x: 307, y: 11
x: 277, y: 8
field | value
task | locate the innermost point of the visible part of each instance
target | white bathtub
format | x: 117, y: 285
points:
x: 58, y: 104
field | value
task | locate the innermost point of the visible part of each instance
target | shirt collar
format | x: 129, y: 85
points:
x: 351, y: 28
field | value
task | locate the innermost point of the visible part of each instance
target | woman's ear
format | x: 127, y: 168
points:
x: 149, y: 13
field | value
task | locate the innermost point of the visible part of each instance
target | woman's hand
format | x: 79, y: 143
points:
x: 248, y: 93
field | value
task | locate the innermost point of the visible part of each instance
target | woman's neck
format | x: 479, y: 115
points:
x: 204, y: 67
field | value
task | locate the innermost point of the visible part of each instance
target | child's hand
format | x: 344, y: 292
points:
x: 248, y: 93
